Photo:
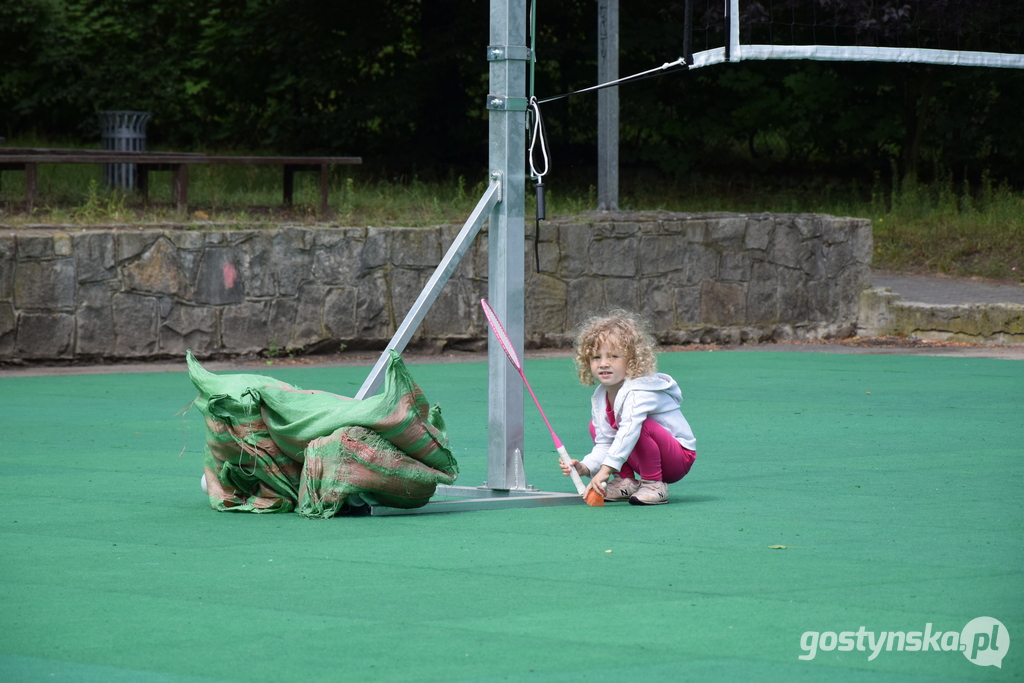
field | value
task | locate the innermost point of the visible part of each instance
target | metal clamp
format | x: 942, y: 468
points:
x: 496, y: 179
x: 498, y: 53
x: 502, y: 103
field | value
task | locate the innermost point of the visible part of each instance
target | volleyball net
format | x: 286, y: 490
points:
x: 984, y: 33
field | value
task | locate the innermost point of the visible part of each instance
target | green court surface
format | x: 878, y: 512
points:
x: 894, y: 484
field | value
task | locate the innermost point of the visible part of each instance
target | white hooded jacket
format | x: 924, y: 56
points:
x: 655, y: 396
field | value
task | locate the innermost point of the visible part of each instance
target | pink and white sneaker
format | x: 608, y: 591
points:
x: 650, y: 493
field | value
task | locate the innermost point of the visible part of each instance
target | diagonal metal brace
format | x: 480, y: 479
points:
x: 433, y: 287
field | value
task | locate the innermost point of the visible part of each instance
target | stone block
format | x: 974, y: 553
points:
x: 793, y: 301
x: 788, y: 248
x: 848, y: 285
x: 243, y: 328
x: 8, y: 261
x: 574, y: 245
x: 734, y: 266
x: 688, y: 306
x: 340, y: 313
x: 479, y: 254
x: 863, y: 240
x: 292, y: 260
x: 758, y: 233
x: 45, y: 285
x: 545, y: 306
x: 187, y: 240
x: 548, y: 255
x: 614, y: 256
x: 189, y: 328
x: 308, y: 326
x: 885, y: 313
x: 615, y: 230
x: 256, y: 265
x: 722, y: 303
x: 157, y: 271
x: 373, y: 308
x: 657, y: 303
x: 821, y: 302
x: 95, y: 256
x: 94, y: 319
x: 376, y: 252
x: 8, y: 330
x: 339, y: 262
x: 131, y: 244
x: 33, y: 246
x: 727, y: 231
x: 62, y: 244
x: 330, y: 238
x: 45, y: 335
x: 405, y: 286
x: 660, y: 254
x: 698, y: 263
x: 584, y: 297
x: 416, y: 247
x: 219, y: 281
x: 467, y: 266
x: 763, y: 293
x: 693, y: 231
x: 451, y: 315
x: 135, y: 320
x: 621, y: 292
x: 808, y: 225
x: 281, y: 323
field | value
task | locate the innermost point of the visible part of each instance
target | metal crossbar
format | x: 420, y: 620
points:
x: 426, y: 299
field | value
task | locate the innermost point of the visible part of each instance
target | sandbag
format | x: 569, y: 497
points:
x: 356, y: 460
x: 259, y: 431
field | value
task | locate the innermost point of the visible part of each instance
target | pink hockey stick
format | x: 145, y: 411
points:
x: 506, y: 345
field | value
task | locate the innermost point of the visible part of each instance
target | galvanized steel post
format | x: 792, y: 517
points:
x: 506, y: 103
x: 608, y: 106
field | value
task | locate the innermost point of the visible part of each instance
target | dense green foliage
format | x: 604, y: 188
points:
x: 403, y: 82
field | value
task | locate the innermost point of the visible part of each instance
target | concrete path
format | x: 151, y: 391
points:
x: 948, y: 290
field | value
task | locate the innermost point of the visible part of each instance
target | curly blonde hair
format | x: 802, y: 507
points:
x: 621, y: 329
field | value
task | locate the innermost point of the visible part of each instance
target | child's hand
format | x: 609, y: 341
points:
x: 600, y: 479
x: 577, y: 465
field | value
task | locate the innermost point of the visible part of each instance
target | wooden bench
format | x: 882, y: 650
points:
x: 28, y: 159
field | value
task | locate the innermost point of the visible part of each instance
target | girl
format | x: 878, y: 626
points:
x: 636, y: 423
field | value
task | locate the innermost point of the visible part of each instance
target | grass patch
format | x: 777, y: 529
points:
x: 945, y: 227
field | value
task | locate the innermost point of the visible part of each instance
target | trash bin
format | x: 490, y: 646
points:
x: 122, y: 131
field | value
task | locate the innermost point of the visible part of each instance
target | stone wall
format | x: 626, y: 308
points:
x: 148, y: 293
x: 883, y: 313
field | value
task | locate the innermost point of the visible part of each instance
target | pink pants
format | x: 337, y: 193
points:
x: 657, y: 456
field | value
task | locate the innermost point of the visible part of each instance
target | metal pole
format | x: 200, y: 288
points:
x: 607, y: 106
x: 506, y: 103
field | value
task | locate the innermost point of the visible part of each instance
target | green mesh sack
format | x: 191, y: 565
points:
x: 246, y: 471
x: 229, y: 398
x: 357, y: 461
x: 258, y: 430
x: 400, y: 413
